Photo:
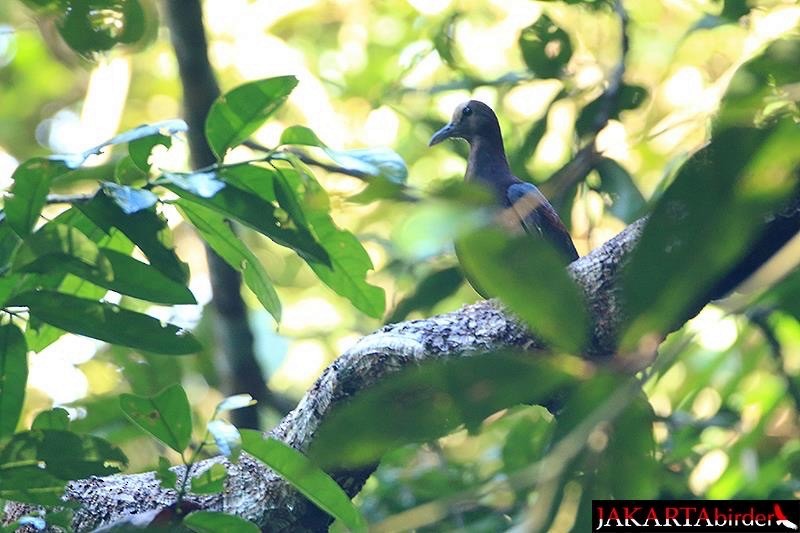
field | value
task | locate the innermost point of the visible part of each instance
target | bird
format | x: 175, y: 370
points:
x: 522, y: 204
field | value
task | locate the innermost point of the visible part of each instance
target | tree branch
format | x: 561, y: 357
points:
x: 255, y: 492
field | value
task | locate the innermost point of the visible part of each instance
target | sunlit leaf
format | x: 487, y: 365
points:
x: 29, y: 193
x: 309, y: 479
x: 167, y: 416
x: 237, y: 401
x: 107, y: 322
x: 210, y: 481
x: 546, y: 48
x: 300, y: 135
x: 13, y: 377
x: 376, y: 162
x: 219, y: 236
x: 426, y: 402
x: 260, y: 215
x: 56, y: 418
x: 227, y: 439
x: 202, y: 184
x: 129, y: 199
x: 145, y: 228
x: 241, y: 111
x: 215, y: 521
x: 96, y: 26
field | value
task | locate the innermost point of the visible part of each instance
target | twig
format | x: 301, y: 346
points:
x: 68, y: 198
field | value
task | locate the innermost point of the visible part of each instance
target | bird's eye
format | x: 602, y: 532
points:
x: 467, y: 111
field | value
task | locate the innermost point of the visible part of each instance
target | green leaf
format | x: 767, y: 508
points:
x: 107, y: 322
x: 528, y: 275
x: 309, y: 479
x: 130, y: 199
x: 705, y: 222
x: 590, y: 117
x: 62, y: 454
x: 165, y: 475
x: 227, y: 439
x: 28, y: 194
x: 300, y: 135
x: 627, y: 203
x: 219, y: 236
x: 13, y: 377
x: 210, y: 481
x: 96, y: 26
x: 350, y: 263
x: 422, y: 403
x: 260, y: 215
x: 432, y: 289
x: 56, y: 418
x: 216, y: 521
x: 126, y: 172
x: 375, y: 162
x: 145, y: 228
x: 30, y: 484
x: 167, y: 416
x: 546, y: 48
x: 241, y: 111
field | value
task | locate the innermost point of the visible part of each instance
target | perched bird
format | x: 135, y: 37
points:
x: 523, y: 205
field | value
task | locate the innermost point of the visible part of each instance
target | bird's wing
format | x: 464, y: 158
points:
x: 538, y: 217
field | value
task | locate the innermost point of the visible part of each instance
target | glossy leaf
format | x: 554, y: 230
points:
x: 426, y: 402
x: 107, y: 322
x: 202, y: 184
x: 86, y: 32
x: 529, y: 276
x: 375, y: 162
x: 215, y: 521
x: 546, y: 48
x: 145, y: 228
x: 309, y: 479
x: 627, y: 203
x: 129, y: 199
x: 227, y: 439
x: 241, y: 111
x: 56, y: 418
x: 167, y: 416
x: 219, y: 236
x: 28, y: 194
x: 349, y: 266
x: 237, y: 401
x: 13, y: 377
x: 260, y: 215
x: 300, y: 135
x: 210, y: 481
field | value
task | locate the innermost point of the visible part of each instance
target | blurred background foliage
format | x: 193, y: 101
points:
x: 722, y: 400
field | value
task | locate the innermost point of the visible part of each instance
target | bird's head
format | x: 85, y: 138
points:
x: 470, y: 120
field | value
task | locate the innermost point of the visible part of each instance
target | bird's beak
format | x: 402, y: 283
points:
x: 444, y: 133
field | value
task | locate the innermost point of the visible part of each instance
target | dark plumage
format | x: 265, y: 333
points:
x: 524, y: 205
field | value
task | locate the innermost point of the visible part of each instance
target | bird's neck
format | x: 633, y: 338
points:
x: 487, y: 164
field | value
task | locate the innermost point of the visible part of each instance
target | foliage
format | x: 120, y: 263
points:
x: 93, y: 244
